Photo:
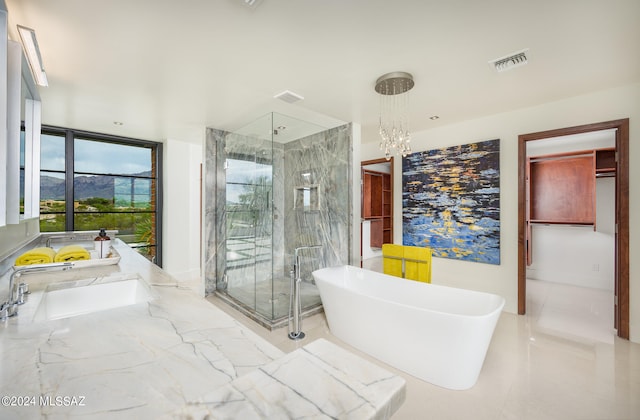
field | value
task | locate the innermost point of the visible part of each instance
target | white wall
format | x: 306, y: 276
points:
x: 501, y: 279
x: 181, y: 212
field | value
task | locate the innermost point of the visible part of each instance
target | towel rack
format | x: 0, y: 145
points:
x: 398, y: 250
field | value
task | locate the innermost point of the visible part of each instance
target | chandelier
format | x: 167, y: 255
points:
x: 394, y: 109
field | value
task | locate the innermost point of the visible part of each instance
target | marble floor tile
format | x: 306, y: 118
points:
x: 581, y: 312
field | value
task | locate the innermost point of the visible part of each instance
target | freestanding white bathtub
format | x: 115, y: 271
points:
x: 436, y: 333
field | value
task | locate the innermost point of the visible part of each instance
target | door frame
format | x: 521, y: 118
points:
x: 363, y: 163
x: 621, y: 212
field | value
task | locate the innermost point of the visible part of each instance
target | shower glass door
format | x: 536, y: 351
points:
x: 248, y: 227
x: 280, y: 184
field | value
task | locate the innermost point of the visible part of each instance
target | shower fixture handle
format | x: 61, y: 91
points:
x: 298, y: 249
x: 295, y: 308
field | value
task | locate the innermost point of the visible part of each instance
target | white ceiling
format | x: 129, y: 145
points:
x: 167, y: 69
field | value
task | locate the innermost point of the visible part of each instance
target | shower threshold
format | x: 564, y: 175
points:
x: 270, y: 324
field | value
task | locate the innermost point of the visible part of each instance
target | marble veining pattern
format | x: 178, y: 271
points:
x: 138, y: 361
x: 343, y: 387
x: 321, y: 160
x: 259, y: 254
x: 169, y: 358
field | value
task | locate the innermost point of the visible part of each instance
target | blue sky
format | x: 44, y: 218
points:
x: 95, y: 157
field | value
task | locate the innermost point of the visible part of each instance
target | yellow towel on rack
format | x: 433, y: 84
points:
x: 417, y: 264
x: 72, y: 253
x: 392, y: 259
x: 42, y: 255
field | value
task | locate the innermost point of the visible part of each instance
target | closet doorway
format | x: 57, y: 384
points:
x: 621, y: 257
x: 377, y: 206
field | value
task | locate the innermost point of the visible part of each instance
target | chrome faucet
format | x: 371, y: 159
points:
x: 294, y: 298
x: 16, y: 294
x: 296, y: 258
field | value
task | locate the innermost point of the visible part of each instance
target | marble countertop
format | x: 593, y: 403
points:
x: 162, y: 358
x: 319, y: 380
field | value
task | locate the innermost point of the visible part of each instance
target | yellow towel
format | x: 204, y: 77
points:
x: 72, y: 253
x: 41, y: 255
x: 392, y: 266
x: 414, y: 270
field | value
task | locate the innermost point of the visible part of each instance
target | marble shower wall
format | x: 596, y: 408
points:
x: 317, y: 185
x: 213, y: 227
x: 311, y: 204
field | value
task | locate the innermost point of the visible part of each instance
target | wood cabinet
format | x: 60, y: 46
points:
x: 377, y: 206
x: 372, y: 194
x: 606, y: 162
x: 561, y: 188
x: 387, y: 210
x: 377, y: 233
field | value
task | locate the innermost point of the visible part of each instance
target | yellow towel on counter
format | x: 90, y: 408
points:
x: 417, y: 265
x: 72, y: 253
x: 392, y: 259
x: 43, y: 255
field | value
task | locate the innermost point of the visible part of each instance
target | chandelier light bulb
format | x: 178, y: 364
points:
x: 393, y: 89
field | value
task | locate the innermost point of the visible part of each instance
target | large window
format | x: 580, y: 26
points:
x: 90, y: 181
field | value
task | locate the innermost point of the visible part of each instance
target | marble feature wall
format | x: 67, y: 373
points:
x: 270, y: 198
x: 213, y: 228
x: 319, y: 166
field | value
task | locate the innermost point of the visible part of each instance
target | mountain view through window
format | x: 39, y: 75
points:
x: 89, y: 183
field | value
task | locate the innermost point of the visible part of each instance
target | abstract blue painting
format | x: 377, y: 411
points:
x: 451, y: 201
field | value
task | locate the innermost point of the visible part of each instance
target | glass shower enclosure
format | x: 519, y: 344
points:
x: 276, y: 185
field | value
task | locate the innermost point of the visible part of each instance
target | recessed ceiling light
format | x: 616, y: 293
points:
x: 118, y: 123
x: 434, y: 117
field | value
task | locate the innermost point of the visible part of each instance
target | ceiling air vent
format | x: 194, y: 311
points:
x: 289, y: 96
x: 510, y: 61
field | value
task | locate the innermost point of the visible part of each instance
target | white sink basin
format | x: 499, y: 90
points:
x: 64, y: 301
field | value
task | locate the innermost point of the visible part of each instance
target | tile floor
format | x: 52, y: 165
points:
x: 544, y: 365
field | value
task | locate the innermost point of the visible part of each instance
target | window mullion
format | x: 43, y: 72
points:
x: 156, y: 162
x: 69, y: 177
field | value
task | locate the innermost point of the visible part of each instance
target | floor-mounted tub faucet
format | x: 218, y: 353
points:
x: 295, y: 307
x: 17, y: 292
